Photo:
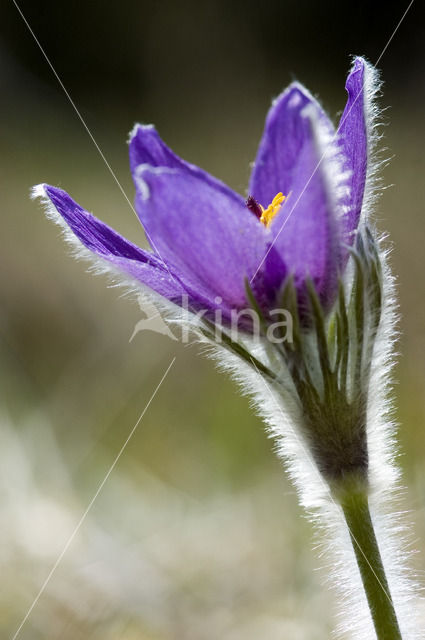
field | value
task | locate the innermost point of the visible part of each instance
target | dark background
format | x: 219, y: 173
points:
x: 197, y: 533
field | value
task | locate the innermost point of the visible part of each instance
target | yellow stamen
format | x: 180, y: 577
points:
x: 268, y: 214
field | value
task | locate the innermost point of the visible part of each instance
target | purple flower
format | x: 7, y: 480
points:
x: 304, y: 204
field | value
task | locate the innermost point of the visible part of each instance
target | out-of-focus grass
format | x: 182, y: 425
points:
x: 197, y: 533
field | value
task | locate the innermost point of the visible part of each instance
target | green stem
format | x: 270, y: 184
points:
x: 355, y: 506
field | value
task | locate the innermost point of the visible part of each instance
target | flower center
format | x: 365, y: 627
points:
x: 265, y: 215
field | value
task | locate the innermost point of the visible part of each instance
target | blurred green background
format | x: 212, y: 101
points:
x: 197, y: 533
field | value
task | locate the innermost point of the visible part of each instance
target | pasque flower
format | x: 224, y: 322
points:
x: 301, y: 238
x: 303, y: 204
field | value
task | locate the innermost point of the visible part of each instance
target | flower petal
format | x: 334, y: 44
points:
x: 109, y: 245
x: 306, y: 230
x: 206, y: 236
x: 146, y: 147
x: 269, y: 278
x: 353, y: 133
x: 285, y: 135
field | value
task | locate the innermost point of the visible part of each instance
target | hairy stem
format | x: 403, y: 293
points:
x: 355, y: 506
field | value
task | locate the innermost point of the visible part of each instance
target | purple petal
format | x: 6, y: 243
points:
x: 353, y: 133
x: 112, y: 247
x: 146, y: 147
x: 207, y: 237
x: 306, y: 229
x: 268, y: 280
x: 285, y: 135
